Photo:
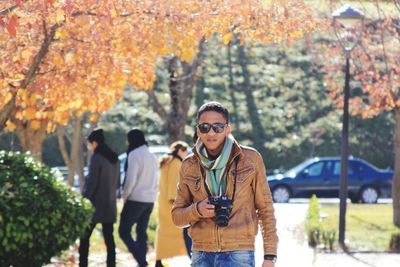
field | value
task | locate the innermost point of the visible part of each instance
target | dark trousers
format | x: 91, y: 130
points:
x: 137, y: 213
x: 188, y: 241
x: 108, y: 238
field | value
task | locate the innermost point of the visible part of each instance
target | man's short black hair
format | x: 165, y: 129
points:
x: 213, y: 106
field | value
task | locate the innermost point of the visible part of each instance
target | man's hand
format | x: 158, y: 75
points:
x: 206, y: 210
x: 268, y: 263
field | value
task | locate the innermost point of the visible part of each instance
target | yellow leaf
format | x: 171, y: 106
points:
x: 93, y: 117
x: 51, y: 127
x: 114, y: 13
x: 227, y: 38
x: 26, y: 54
x: 60, y: 16
x: 61, y: 33
x: 32, y: 99
x: 35, y: 124
x: 58, y: 61
x: 8, y: 97
x: 187, y: 54
x: 10, y: 126
x: 30, y: 113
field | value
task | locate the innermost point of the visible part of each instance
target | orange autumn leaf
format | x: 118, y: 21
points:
x: 10, y: 126
x: 96, y: 47
x: 93, y: 117
x: 12, y: 25
x: 227, y: 38
x: 35, y: 124
x: 30, y: 113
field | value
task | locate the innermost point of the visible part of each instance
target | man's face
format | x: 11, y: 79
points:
x: 214, y: 142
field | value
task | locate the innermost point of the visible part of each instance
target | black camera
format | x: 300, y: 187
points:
x: 223, y: 208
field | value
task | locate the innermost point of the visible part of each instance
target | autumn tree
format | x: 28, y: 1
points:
x: 65, y: 58
x: 377, y: 73
x: 249, y: 21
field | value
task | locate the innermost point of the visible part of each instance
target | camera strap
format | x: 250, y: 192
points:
x: 235, y: 174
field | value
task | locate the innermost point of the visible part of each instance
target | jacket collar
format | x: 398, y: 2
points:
x: 236, y: 151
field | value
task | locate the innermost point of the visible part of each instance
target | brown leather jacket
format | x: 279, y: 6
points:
x: 252, y: 204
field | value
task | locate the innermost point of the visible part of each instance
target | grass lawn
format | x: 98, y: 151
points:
x: 368, y: 227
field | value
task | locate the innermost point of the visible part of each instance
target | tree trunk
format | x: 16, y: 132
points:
x: 177, y: 115
x: 65, y: 154
x: 258, y: 134
x: 200, y: 94
x: 232, y: 89
x: 76, y: 145
x: 396, y: 178
x: 182, y: 77
x: 74, y: 160
x: 31, y: 139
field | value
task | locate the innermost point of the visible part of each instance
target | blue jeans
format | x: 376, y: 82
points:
x: 222, y: 259
x: 137, y: 213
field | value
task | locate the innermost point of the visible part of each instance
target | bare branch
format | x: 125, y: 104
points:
x: 7, y: 10
x: 61, y: 143
x: 157, y: 107
x: 37, y: 60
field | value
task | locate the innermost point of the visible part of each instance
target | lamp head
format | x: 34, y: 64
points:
x: 348, y: 16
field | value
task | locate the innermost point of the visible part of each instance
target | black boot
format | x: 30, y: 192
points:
x: 159, y: 264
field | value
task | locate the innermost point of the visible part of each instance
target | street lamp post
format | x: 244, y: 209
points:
x: 346, y: 17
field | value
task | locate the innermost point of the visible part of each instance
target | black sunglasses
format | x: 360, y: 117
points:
x: 217, y: 127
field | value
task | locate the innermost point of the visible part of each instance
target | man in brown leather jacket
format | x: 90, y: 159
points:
x: 223, y: 195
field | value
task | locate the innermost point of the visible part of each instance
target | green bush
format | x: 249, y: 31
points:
x: 313, y: 227
x: 318, y: 235
x: 39, y: 215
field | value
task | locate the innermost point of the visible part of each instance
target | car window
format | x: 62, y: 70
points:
x: 297, y: 169
x: 336, y: 169
x: 315, y: 169
x: 328, y: 167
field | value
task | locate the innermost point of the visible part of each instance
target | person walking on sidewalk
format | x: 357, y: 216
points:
x: 167, y: 232
x: 223, y: 195
x: 139, y: 193
x: 100, y: 188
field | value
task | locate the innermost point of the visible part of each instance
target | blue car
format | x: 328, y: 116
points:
x: 320, y: 176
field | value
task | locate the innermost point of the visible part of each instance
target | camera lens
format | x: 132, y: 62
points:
x: 222, y: 220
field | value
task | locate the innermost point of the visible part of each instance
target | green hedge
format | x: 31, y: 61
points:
x: 39, y: 215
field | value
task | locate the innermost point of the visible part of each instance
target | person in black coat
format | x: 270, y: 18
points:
x: 100, y: 188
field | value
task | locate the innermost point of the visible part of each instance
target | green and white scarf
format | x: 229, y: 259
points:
x: 215, y: 169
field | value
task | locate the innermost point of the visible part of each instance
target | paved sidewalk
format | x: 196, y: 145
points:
x: 293, y: 250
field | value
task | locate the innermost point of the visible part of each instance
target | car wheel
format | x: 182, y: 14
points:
x: 369, y: 194
x: 281, y: 194
x: 354, y: 199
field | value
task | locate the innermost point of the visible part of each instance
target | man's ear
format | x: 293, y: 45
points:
x: 228, y: 129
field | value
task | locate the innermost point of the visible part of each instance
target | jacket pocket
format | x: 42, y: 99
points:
x: 193, y: 182
x: 240, y: 227
x: 242, y: 174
